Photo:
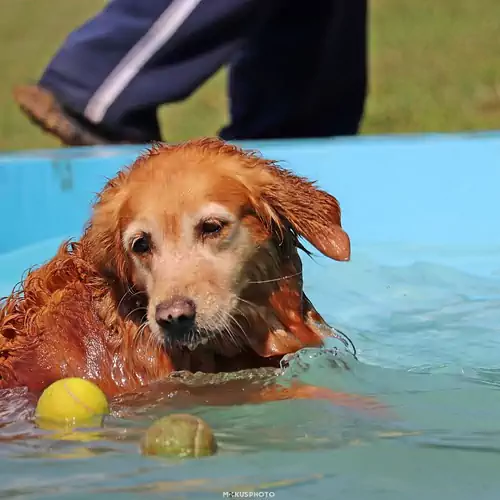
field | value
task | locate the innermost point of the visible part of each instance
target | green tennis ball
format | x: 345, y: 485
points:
x: 179, y: 435
x: 71, y: 402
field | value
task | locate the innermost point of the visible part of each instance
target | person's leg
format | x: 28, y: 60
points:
x: 302, y: 73
x: 113, y: 72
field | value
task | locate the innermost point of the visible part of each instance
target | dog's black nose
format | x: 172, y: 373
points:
x: 176, y: 317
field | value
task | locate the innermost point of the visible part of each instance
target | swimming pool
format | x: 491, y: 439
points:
x: 420, y: 299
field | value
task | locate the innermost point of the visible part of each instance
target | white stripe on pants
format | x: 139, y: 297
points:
x: 153, y: 40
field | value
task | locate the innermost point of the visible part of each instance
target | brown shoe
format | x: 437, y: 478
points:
x: 42, y: 108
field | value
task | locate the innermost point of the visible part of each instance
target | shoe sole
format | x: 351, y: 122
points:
x: 42, y: 108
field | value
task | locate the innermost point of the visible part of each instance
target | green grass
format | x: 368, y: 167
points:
x: 434, y: 66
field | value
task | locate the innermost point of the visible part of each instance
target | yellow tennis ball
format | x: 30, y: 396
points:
x: 179, y: 435
x: 71, y: 402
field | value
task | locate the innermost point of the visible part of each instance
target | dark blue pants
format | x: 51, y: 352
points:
x: 297, y: 69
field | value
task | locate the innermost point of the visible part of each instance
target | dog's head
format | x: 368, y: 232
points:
x: 208, y: 234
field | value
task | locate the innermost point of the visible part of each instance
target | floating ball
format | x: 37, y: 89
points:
x: 179, y: 435
x: 69, y: 403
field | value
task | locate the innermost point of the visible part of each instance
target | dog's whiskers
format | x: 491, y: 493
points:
x: 140, y: 308
x: 140, y: 330
x: 241, y: 333
x: 129, y: 293
x: 275, y: 279
x: 236, y: 322
x: 251, y: 304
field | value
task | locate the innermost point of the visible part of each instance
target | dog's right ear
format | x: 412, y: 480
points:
x: 102, y: 237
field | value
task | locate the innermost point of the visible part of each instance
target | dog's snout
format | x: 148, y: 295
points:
x: 176, y: 316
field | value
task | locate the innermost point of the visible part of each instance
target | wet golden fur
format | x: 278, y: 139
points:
x: 88, y: 312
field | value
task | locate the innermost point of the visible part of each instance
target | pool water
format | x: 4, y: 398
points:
x: 425, y: 324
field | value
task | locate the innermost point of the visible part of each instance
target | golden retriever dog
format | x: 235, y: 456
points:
x: 188, y: 263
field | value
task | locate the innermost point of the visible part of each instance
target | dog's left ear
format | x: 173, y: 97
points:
x: 311, y: 212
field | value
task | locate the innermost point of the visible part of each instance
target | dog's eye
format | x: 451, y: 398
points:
x: 141, y: 244
x: 211, y: 227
